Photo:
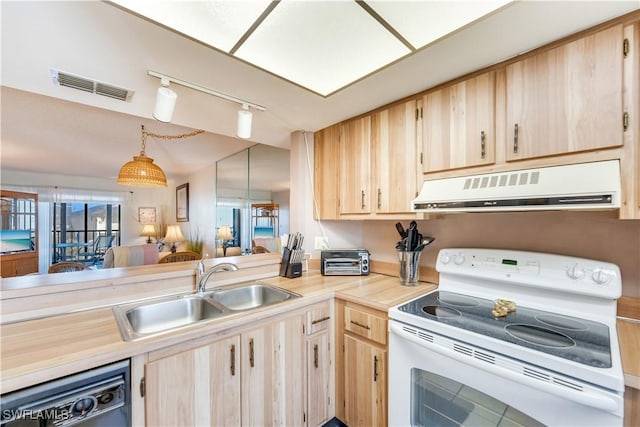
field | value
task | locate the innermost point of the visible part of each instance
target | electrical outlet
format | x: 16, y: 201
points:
x: 321, y: 243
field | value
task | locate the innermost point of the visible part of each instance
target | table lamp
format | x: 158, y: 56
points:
x: 149, y: 230
x: 224, y: 233
x: 173, y: 236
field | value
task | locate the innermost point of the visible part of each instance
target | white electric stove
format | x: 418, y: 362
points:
x: 534, y: 334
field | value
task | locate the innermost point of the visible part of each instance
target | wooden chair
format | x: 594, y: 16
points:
x: 63, y: 267
x: 180, y: 256
x: 259, y: 250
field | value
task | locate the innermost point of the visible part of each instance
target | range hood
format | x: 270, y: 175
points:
x: 593, y: 185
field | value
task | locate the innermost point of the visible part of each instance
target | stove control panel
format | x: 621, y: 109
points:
x: 534, y: 269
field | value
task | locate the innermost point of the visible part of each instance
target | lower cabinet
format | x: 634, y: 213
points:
x: 274, y: 375
x: 361, y: 368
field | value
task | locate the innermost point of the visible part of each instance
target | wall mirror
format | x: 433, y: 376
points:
x: 252, y: 200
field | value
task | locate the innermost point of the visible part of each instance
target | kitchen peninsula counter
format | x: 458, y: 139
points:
x: 42, y: 349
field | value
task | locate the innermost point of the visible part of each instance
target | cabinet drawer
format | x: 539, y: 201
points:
x: 318, y: 318
x: 365, y: 324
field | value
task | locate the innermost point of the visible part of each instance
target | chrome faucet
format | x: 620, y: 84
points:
x: 203, y: 276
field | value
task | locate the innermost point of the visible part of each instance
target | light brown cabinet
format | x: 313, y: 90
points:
x: 252, y: 378
x: 395, y: 160
x: 319, y: 376
x: 458, y: 125
x: 567, y: 99
x: 200, y: 386
x: 355, y: 167
x: 326, y: 172
x: 361, y: 366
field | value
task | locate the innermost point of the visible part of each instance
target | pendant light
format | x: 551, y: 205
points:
x: 244, y: 122
x: 141, y: 171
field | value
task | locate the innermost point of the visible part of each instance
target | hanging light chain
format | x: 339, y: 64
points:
x: 158, y: 136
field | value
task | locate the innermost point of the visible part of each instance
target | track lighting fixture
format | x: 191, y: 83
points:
x: 244, y: 122
x: 166, y: 101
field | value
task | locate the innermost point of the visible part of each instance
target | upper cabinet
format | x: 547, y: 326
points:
x: 326, y: 172
x: 394, y: 158
x: 355, y: 166
x: 458, y: 125
x: 566, y: 99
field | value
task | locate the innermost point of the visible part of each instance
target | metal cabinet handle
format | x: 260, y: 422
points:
x: 367, y: 327
x: 515, y: 139
x: 379, y: 199
x: 375, y: 368
x: 251, y: 360
x: 362, y: 199
x: 315, y: 356
x: 233, y: 359
x: 482, y: 145
x: 322, y: 319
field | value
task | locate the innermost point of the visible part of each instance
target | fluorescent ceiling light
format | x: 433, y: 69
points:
x: 322, y: 46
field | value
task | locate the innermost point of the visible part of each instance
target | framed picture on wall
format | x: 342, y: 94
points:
x: 147, y: 215
x: 182, y: 203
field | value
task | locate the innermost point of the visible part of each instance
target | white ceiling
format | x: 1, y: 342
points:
x: 48, y: 128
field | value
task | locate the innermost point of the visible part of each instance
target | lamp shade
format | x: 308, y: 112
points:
x: 224, y: 232
x: 244, y: 123
x: 165, y: 104
x: 142, y: 172
x: 148, y: 230
x: 174, y: 234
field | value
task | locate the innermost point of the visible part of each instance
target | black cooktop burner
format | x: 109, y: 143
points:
x: 579, y: 340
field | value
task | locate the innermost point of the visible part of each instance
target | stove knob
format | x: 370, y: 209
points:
x: 459, y: 259
x: 445, y: 258
x: 600, y: 276
x: 575, y: 272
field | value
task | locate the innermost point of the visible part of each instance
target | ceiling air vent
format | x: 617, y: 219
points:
x: 88, y: 85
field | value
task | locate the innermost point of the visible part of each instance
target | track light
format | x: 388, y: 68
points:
x: 244, y: 122
x: 165, y: 102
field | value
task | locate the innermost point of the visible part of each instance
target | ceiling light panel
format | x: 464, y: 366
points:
x: 423, y: 22
x: 322, y: 46
x: 219, y: 23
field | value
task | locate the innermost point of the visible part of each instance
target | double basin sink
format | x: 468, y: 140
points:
x: 141, y: 319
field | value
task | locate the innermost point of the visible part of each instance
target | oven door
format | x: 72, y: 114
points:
x: 437, y: 381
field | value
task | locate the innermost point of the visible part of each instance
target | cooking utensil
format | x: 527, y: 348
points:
x: 401, y: 231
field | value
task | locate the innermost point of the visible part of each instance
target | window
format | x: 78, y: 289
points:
x: 77, y: 225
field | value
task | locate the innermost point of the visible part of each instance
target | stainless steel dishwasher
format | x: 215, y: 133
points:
x: 95, y: 398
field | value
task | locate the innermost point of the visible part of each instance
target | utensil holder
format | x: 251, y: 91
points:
x: 409, y: 267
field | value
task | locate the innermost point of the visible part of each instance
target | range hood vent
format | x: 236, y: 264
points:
x: 62, y: 78
x: 593, y: 185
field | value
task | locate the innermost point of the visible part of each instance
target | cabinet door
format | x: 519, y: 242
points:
x: 288, y: 372
x: 326, y: 178
x: 318, y: 379
x: 256, y: 363
x: 567, y: 99
x: 394, y: 159
x: 355, y: 166
x: 195, y: 387
x: 458, y: 125
x: 365, y: 383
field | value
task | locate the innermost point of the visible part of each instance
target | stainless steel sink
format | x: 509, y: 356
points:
x: 150, y: 317
x: 144, y: 318
x: 248, y: 297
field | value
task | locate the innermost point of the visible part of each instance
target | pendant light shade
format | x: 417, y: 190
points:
x: 165, y: 104
x: 244, y: 123
x: 142, y: 172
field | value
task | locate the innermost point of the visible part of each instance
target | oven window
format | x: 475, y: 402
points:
x: 437, y: 401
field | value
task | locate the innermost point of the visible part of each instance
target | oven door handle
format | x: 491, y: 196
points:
x: 587, y: 397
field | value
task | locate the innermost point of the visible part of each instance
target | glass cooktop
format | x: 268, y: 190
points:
x: 579, y: 340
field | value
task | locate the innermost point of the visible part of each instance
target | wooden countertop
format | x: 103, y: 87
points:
x: 39, y: 350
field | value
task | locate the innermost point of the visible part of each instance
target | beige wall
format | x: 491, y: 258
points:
x: 595, y: 235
